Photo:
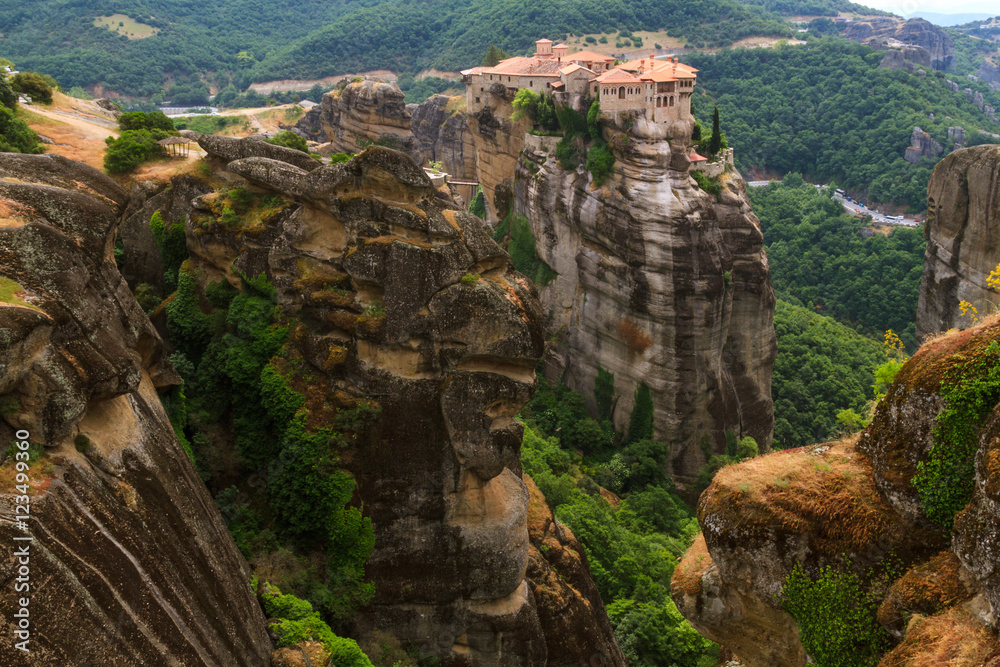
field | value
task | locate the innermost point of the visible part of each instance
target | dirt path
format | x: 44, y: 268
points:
x: 74, y: 134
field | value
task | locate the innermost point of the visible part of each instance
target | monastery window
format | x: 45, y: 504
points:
x: 621, y: 93
x: 477, y: 100
x: 671, y: 100
x: 531, y: 84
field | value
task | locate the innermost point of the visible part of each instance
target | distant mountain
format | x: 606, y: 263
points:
x: 949, y: 20
x: 242, y: 41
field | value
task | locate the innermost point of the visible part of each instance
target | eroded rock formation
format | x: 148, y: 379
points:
x: 373, y: 111
x: 963, y: 220
x: 430, y: 320
x: 853, y: 505
x: 569, y: 604
x: 921, y: 145
x: 131, y: 562
x: 914, y: 32
x: 659, y: 283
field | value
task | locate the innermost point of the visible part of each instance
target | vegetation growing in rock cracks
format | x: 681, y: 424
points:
x: 515, y: 234
x: 836, y: 618
x: 945, y: 480
x: 631, y: 550
x: 294, y: 621
x: 242, y: 414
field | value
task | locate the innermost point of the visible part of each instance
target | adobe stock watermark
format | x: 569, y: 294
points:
x: 22, y: 544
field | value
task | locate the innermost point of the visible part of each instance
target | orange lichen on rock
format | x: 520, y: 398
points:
x: 687, y: 575
x: 925, y: 589
x: 825, y: 491
x: 953, y: 638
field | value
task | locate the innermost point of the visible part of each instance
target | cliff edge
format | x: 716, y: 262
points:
x: 963, y: 244
x: 881, y: 546
x: 130, y: 562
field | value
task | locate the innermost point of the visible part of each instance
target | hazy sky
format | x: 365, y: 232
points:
x: 903, y: 7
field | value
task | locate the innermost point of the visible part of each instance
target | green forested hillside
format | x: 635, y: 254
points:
x: 312, y: 39
x: 826, y: 110
x: 820, y: 257
x: 822, y: 367
x: 631, y: 549
x: 450, y: 35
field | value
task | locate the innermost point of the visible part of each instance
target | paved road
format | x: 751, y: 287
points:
x: 881, y: 218
x: 857, y: 209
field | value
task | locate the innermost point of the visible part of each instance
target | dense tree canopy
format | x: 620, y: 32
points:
x: 253, y: 40
x: 827, y: 111
x: 822, y: 368
x: 830, y: 261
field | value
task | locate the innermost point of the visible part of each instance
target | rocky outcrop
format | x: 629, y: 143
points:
x: 922, y: 145
x: 915, y: 32
x: 957, y: 136
x: 498, y: 143
x: 894, y: 59
x: 231, y: 148
x: 659, y: 283
x: 989, y: 73
x: 854, y: 506
x: 130, y: 561
x: 569, y: 604
x: 975, y: 97
x: 369, y: 111
x: 142, y: 261
x: 963, y: 217
x: 443, y: 135
x: 397, y: 297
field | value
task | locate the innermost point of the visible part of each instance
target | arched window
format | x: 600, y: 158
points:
x: 671, y: 101
x: 621, y: 93
x: 659, y: 101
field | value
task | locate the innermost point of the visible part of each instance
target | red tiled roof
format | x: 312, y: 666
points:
x: 543, y: 41
x: 589, y: 56
x: 694, y: 157
x: 573, y: 67
x: 526, y: 66
x: 617, y: 76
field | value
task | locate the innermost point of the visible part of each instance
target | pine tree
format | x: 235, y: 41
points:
x: 493, y: 56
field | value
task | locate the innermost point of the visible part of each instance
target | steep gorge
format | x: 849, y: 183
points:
x: 396, y: 298
x: 657, y: 281
x: 900, y: 523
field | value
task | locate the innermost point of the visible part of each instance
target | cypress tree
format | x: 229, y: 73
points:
x: 640, y: 425
x: 716, y: 142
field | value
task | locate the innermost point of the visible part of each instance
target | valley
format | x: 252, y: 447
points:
x: 489, y: 355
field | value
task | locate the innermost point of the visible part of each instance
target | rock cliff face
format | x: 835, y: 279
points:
x: 131, y: 562
x: 989, y: 73
x: 921, y: 145
x: 915, y: 32
x: 853, y: 506
x: 659, y: 283
x: 372, y: 111
x: 963, y: 219
x: 450, y: 362
x: 569, y: 604
x: 443, y: 135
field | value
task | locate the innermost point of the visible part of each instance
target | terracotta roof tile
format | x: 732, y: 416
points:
x: 589, y: 56
x: 617, y: 76
x: 523, y: 66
